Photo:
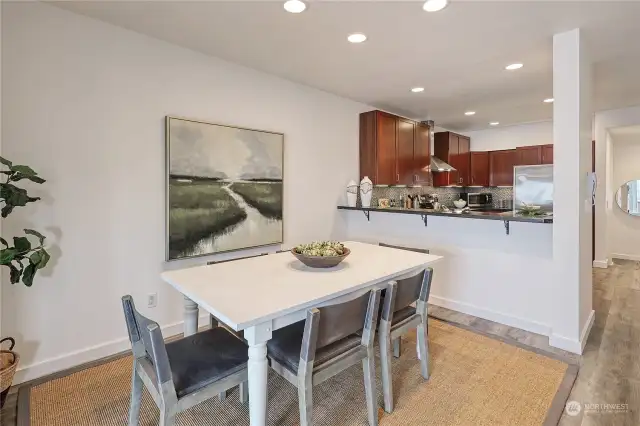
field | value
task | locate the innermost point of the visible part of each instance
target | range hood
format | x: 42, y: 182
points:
x: 436, y: 164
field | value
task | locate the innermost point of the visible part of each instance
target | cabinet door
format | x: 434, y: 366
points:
x: 529, y: 155
x: 479, y: 167
x: 404, y: 155
x: 547, y: 154
x: 421, y: 157
x: 501, y: 167
x: 464, y: 160
x: 386, y: 150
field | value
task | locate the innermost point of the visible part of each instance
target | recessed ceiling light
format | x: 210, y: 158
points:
x: 435, y: 5
x: 548, y: 100
x: 417, y: 89
x: 513, y: 67
x: 357, y: 38
x: 469, y: 113
x: 494, y: 123
x: 294, y: 6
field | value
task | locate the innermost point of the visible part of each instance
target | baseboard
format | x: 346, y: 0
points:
x: 625, y: 256
x: 572, y: 345
x: 604, y: 264
x: 512, y: 321
x: 92, y: 353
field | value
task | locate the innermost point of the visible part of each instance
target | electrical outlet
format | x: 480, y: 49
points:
x: 152, y: 300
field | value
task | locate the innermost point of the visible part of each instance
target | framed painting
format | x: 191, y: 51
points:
x: 224, y: 188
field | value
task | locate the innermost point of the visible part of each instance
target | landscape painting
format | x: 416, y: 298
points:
x: 224, y: 188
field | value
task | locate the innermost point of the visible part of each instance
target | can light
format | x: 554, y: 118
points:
x: 294, y: 6
x: 357, y: 38
x: 435, y: 5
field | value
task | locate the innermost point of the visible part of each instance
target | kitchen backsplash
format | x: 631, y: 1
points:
x: 446, y: 195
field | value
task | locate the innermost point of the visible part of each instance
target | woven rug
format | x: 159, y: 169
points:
x: 475, y: 380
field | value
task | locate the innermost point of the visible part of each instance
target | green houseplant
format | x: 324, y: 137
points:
x: 22, y: 258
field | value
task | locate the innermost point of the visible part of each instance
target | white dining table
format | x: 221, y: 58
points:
x: 262, y: 294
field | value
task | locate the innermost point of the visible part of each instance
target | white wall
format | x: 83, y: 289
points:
x: 604, y: 121
x: 510, y: 137
x: 624, y: 230
x: 84, y: 105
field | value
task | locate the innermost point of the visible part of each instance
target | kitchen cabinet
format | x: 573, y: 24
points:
x: 529, y: 155
x: 547, y: 154
x: 421, y: 154
x: 501, y: 165
x: 455, y: 150
x: 393, y: 149
x: 479, y: 168
x: 404, y: 151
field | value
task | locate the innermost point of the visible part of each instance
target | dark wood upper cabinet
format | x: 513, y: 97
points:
x: 421, y: 153
x: 501, y: 165
x: 393, y: 149
x: 405, y: 172
x: 479, y: 168
x: 529, y: 155
x: 547, y: 154
x: 455, y: 150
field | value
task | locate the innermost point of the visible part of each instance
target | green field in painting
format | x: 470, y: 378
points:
x: 199, y: 209
x: 266, y: 197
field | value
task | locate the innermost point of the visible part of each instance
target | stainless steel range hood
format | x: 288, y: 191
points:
x: 437, y: 165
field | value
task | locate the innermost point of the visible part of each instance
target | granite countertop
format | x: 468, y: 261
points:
x: 507, y: 216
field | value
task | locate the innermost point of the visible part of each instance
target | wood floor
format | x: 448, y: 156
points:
x: 609, y: 368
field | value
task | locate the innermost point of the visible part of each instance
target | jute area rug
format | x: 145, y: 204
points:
x: 475, y: 381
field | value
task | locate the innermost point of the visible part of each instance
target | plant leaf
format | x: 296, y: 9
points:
x: 35, y: 258
x: 7, y: 255
x: 35, y: 234
x: 3, y: 241
x: 28, y: 274
x: 21, y: 244
x: 15, y: 273
x: 5, y: 162
x: 20, y: 176
x: 6, y: 210
x: 24, y: 170
x: 42, y: 258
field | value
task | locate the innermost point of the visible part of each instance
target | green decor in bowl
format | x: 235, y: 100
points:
x: 321, y: 254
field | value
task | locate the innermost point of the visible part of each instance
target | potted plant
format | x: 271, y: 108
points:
x: 23, y: 258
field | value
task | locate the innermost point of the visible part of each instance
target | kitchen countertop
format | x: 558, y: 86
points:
x: 507, y: 216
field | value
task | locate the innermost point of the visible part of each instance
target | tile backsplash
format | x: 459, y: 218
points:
x: 446, y: 195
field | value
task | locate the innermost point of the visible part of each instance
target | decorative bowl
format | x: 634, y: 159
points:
x: 459, y: 203
x: 321, y: 261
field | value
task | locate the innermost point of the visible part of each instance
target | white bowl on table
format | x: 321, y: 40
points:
x: 459, y: 203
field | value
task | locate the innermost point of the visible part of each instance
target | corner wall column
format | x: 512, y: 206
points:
x: 570, y: 298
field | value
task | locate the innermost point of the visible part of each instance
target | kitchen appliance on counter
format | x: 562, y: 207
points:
x: 477, y: 200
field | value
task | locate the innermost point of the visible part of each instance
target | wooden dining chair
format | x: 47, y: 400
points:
x: 184, y: 372
x: 398, y: 317
x: 397, y: 343
x: 333, y: 338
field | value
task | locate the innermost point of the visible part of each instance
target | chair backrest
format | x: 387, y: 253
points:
x: 330, y: 323
x: 146, y: 340
x: 412, y: 289
x: 417, y: 250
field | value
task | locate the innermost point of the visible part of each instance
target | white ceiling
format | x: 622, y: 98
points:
x: 458, y: 54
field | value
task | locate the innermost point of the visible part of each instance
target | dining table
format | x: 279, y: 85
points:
x: 259, y: 295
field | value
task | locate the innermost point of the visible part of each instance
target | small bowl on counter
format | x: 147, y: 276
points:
x: 460, y: 203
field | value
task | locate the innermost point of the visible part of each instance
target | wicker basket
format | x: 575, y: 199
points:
x: 8, y: 364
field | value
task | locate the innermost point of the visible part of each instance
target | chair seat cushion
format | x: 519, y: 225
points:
x: 285, y: 344
x: 403, y: 314
x: 204, y: 358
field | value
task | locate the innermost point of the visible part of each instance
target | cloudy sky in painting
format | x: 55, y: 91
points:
x: 198, y: 149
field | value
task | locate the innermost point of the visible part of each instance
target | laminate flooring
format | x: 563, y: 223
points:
x: 608, y: 383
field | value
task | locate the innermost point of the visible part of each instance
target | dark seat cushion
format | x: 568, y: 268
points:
x: 285, y: 344
x: 204, y: 358
x: 403, y: 314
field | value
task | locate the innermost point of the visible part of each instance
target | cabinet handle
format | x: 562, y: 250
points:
x: 398, y: 177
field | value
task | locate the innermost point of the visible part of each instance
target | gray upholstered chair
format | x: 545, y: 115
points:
x: 397, y: 317
x: 184, y: 372
x: 333, y: 338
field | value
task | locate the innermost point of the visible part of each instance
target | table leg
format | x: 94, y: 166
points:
x: 190, y: 317
x: 258, y: 367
